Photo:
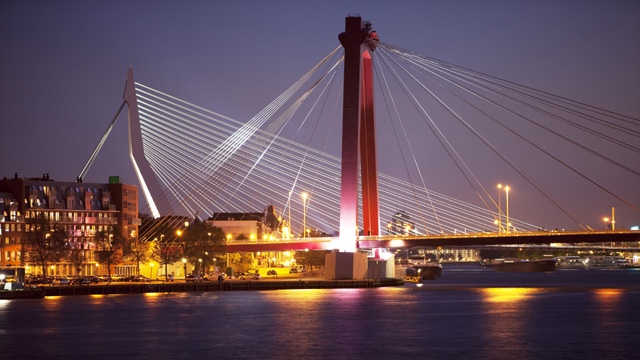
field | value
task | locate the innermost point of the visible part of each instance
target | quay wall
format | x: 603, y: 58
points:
x: 71, y: 290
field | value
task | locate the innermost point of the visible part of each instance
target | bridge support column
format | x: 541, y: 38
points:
x: 358, y: 136
x: 148, y: 182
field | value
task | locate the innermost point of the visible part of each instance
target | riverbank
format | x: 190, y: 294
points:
x: 228, y: 285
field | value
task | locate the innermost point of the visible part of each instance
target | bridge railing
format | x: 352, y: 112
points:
x: 519, y: 234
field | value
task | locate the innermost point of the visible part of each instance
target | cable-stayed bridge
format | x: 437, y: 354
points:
x: 193, y: 162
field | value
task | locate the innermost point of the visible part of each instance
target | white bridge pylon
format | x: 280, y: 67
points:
x: 148, y: 182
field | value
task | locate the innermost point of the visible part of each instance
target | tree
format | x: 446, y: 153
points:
x: 44, y: 242
x: 138, y: 250
x: 202, y: 243
x: 165, y: 251
x: 76, y: 257
x: 109, y: 245
x: 311, y: 258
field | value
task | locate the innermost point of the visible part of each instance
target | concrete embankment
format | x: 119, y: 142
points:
x: 259, y: 285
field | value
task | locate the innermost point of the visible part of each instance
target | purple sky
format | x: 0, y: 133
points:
x: 64, y: 63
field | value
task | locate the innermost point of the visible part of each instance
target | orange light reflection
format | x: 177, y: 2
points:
x: 508, y: 295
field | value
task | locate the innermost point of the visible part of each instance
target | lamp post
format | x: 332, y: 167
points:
x: 289, y: 211
x: 200, y: 267
x: 151, y: 271
x: 304, y: 214
x: 507, y: 191
x: 389, y: 229
x: 499, y: 208
x: 184, y: 262
x: 612, y: 220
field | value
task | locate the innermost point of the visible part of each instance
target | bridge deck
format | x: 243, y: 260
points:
x: 389, y: 241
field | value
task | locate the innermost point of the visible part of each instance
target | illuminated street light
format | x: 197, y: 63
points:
x: 507, y: 190
x: 499, y: 208
x: 408, y: 228
x: 389, y: 229
x: 200, y: 269
x: 184, y: 262
x: 151, y: 271
x: 304, y: 213
x: 289, y: 202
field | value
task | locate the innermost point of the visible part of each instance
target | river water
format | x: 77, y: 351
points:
x: 466, y: 314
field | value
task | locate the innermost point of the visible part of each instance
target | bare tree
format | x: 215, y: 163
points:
x: 138, y: 250
x: 109, y: 244
x: 166, y: 251
x: 76, y: 257
x: 44, y: 242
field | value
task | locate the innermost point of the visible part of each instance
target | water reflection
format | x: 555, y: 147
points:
x: 508, y: 295
x: 506, y: 313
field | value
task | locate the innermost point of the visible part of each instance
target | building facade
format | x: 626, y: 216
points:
x: 83, y: 209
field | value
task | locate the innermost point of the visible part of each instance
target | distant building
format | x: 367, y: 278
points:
x: 401, y: 224
x: 83, y: 208
x: 249, y: 226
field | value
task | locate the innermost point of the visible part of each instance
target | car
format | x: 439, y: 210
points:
x: 193, y: 278
x: 82, y: 280
x: 272, y: 272
x: 61, y: 280
x: 293, y: 271
x: 140, y: 278
x: 163, y: 277
x: 250, y: 276
x: 239, y: 274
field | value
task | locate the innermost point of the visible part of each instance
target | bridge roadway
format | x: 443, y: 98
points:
x: 470, y: 239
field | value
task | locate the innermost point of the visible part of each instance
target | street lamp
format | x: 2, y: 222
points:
x: 289, y: 202
x: 507, y: 190
x: 151, y: 271
x: 499, y: 208
x: 200, y: 269
x: 304, y: 213
x: 184, y: 262
x: 389, y: 229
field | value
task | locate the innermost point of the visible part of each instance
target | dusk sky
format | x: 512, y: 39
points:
x: 64, y: 64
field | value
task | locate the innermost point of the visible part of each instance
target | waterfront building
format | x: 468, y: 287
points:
x: 83, y: 209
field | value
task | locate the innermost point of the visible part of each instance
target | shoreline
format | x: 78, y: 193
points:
x: 205, y: 286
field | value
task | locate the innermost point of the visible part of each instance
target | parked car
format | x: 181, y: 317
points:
x: 61, y: 280
x: 140, y: 278
x: 193, y: 278
x: 272, y: 272
x: 82, y: 280
x: 250, y: 276
x: 293, y: 271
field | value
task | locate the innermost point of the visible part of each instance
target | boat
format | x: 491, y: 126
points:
x: 541, y: 265
x: 420, y: 272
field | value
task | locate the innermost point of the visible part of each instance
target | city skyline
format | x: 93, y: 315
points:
x: 64, y: 72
